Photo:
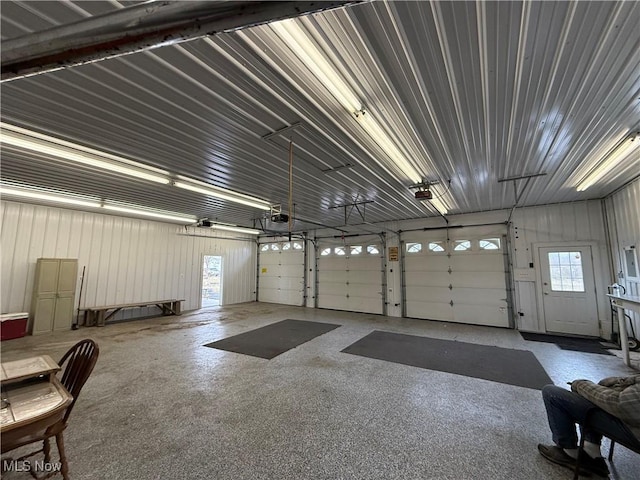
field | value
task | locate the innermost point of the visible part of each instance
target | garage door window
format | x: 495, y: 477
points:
x: 566, y: 271
x: 286, y: 246
x: 462, y: 245
x: 340, y: 251
x: 275, y: 247
x: 373, y: 250
x: 297, y: 245
x: 414, y: 247
x: 356, y: 250
x: 490, y: 244
x: 264, y: 247
x: 325, y: 251
x: 437, y: 247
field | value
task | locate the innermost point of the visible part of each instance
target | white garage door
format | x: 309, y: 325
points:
x: 350, y: 277
x: 459, y: 279
x: 281, y: 273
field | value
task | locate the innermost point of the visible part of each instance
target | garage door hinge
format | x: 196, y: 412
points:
x: 450, y: 287
x: 449, y: 270
x: 451, y: 303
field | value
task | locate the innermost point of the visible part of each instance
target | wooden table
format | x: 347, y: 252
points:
x: 23, y: 369
x: 622, y: 302
x: 32, y: 398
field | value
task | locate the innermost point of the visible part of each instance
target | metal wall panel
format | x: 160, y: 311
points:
x: 560, y: 223
x: 127, y: 260
x: 624, y: 206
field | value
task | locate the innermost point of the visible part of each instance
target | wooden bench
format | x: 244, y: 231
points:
x: 99, y: 315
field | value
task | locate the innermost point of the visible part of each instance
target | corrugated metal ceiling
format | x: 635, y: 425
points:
x: 472, y: 92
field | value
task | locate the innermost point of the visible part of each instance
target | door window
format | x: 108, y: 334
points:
x: 565, y: 269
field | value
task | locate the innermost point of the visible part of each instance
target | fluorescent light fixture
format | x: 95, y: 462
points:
x: 291, y: 33
x: 439, y: 206
x: 48, y: 197
x: 298, y: 41
x: 176, y: 217
x: 38, y: 142
x: 231, y: 228
x: 630, y: 145
x: 222, y: 193
x: 376, y: 132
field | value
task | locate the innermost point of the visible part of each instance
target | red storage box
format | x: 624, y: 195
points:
x: 13, y: 325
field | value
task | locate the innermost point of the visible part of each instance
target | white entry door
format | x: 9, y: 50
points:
x: 568, y: 290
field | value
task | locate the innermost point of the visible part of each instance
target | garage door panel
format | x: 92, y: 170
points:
x: 363, y: 278
x: 431, y: 311
x: 365, y: 291
x: 482, y: 315
x: 475, y: 280
x: 332, y: 276
x: 351, y: 283
x: 367, y: 264
x: 427, y: 279
x: 281, y: 277
x: 426, y: 263
x: 477, y: 263
x: 332, y: 263
x: 291, y: 270
x: 430, y: 294
x: 332, y: 289
x: 336, y: 302
x: 477, y: 296
x: 364, y: 306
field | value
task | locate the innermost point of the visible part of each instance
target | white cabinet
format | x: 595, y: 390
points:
x: 53, y: 294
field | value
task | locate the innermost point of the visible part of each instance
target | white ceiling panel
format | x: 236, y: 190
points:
x: 468, y: 92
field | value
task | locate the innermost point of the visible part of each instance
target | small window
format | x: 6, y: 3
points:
x: 436, y: 246
x: 461, y: 245
x: 264, y: 247
x: 414, y: 247
x: 275, y: 247
x: 355, y: 249
x: 631, y: 261
x: 340, y: 251
x: 373, y: 250
x: 325, y: 251
x: 565, y: 270
x: 286, y: 246
x: 297, y: 245
x: 490, y: 244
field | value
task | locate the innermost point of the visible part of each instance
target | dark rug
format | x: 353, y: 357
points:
x: 272, y: 340
x: 503, y: 365
x: 587, y: 345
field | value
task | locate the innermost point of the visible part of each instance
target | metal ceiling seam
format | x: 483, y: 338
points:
x: 411, y: 63
x: 483, y: 49
x: 332, y: 120
x: 372, y: 85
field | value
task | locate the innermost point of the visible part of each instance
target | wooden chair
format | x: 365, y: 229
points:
x: 76, y: 366
x: 589, y: 426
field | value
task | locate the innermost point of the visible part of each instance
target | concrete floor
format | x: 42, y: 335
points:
x: 160, y: 405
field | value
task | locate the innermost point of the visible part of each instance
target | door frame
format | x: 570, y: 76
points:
x: 597, y: 279
x: 200, y: 282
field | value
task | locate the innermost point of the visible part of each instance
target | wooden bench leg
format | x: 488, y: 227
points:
x: 100, y: 320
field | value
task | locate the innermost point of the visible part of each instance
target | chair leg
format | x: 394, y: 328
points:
x: 576, y: 472
x: 611, y: 450
x: 63, y: 459
x: 46, y: 448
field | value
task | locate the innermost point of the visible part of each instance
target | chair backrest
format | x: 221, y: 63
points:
x: 79, y: 360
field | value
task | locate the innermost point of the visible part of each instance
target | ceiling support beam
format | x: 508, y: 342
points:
x: 141, y: 27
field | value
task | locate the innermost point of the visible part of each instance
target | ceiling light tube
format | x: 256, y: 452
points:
x: 298, y: 41
x: 48, y: 197
x: 626, y: 148
x: 224, y: 194
x: 151, y: 213
x: 439, y: 206
x: 37, y: 142
x: 229, y: 228
x: 375, y: 131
